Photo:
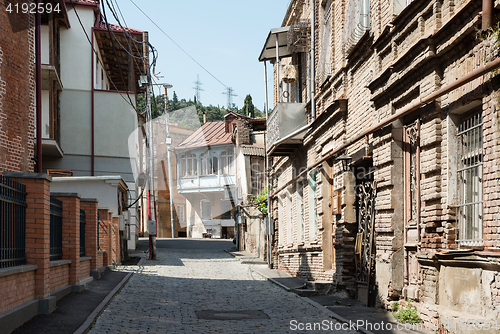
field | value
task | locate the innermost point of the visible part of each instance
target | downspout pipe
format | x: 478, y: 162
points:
x: 313, y: 63
x: 92, y: 110
x: 487, y: 14
x: 38, y: 88
x: 405, y: 111
x: 268, y: 186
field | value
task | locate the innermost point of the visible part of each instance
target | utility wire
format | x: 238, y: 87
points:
x: 100, y: 62
x: 213, y: 76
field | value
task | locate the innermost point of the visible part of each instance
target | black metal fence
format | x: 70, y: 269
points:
x: 56, y: 214
x: 12, y: 223
x: 82, y: 232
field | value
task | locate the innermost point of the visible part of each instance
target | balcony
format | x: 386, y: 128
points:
x: 204, y: 183
x: 286, y: 127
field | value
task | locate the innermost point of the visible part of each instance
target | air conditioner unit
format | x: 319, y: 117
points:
x: 290, y: 74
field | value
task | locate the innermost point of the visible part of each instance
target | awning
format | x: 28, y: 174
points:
x: 269, y: 50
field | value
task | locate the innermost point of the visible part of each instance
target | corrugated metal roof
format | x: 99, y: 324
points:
x: 210, y: 134
x: 253, y: 150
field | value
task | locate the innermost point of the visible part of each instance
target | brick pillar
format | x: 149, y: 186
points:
x: 116, y: 238
x: 71, y: 233
x: 38, y: 233
x: 104, y: 232
x: 91, y: 226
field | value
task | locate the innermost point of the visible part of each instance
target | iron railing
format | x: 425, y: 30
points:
x: 56, y: 214
x: 12, y: 223
x: 82, y: 232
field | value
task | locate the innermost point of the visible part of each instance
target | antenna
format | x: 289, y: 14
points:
x: 198, y: 88
x: 230, y: 94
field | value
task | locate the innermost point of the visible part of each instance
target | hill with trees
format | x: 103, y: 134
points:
x: 186, y: 118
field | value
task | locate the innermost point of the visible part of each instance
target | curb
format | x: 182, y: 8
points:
x: 330, y: 313
x: 85, y: 327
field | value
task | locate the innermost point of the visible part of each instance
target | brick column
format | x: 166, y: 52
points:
x: 71, y: 233
x: 104, y: 237
x: 91, y: 226
x: 116, y: 238
x: 38, y: 233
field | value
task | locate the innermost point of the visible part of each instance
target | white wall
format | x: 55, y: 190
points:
x: 76, y: 51
x: 44, y: 31
x: 45, y: 114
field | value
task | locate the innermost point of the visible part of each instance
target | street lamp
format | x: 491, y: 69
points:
x: 168, y: 142
x: 345, y: 162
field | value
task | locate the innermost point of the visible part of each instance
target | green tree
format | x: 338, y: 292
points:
x: 248, y: 107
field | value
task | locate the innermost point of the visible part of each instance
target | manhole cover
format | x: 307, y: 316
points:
x: 231, y: 315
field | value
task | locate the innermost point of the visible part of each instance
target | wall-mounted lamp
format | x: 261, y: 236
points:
x: 143, y: 81
x: 345, y: 162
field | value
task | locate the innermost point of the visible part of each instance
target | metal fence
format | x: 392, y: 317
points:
x: 56, y: 214
x: 12, y: 223
x: 82, y: 232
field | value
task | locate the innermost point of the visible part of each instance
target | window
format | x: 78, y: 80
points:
x: 257, y: 175
x: 325, y: 56
x: 357, y: 23
x: 226, y: 162
x: 313, y: 211
x: 300, y: 211
x: 289, y: 236
x: 189, y: 165
x: 180, y: 210
x: 470, y: 181
x: 208, y: 164
x: 206, y: 210
x: 281, y: 220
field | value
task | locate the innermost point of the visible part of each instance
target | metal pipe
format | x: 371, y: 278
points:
x: 313, y: 63
x: 487, y: 14
x: 169, y: 161
x: 92, y: 110
x: 38, y: 88
x: 278, y: 68
x: 405, y: 111
x: 268, y: 187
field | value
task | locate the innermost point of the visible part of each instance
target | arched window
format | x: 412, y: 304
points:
x: 226, y: 161
x: 209, y: 164
x: 189, y: 165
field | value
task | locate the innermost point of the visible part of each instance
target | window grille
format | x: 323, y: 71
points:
x: 470, y: 181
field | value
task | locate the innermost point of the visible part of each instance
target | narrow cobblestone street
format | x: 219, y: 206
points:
x: 190, y: 276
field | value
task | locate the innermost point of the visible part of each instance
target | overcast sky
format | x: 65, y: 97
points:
x: 224, y: 36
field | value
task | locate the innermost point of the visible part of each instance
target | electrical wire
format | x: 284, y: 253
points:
x: 100, y: 62
x: 213, y: 76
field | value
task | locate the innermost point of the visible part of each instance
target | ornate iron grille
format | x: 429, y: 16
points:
x: 12, y: 223
x: 82, y: 232
x: 365, y: 269
x: 56, y: 216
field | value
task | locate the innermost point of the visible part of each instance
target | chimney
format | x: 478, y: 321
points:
x: 204, y: 117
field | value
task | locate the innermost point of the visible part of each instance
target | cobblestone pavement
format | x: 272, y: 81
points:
x: 163, y: 297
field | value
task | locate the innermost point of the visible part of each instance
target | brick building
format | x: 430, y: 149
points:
x: 386, y: 182
x: 17, y: 91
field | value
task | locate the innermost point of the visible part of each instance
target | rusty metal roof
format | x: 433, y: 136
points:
x: 210, y: 134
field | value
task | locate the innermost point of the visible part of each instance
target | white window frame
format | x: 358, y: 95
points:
x: 313, y: 210
x: 470, y: 208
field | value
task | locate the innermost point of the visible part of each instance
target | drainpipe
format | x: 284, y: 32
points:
x: 268, y: 186
x: 277, y: 69
x: 313, y: 61
x: 487, y: 17
x: 38, y: 89
x: 92, y: 152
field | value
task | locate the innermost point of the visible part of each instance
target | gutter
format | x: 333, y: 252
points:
x: 92, y: 149
x: 38, y: 88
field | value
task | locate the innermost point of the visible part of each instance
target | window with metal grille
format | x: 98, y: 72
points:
x: 470, y: 181
x: 206, y: 210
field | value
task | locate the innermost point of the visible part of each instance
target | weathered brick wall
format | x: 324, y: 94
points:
x: 16, y: 290
x: 84, y: 269
x: 59, y: 277
x: 17, y: 91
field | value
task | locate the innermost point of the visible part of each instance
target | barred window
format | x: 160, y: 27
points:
x: 470, y: 181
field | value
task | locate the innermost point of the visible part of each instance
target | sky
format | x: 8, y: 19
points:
x: 224, y: 36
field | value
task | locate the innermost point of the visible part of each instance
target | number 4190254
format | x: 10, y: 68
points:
x: 32, y: 8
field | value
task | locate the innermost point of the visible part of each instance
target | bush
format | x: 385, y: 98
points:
x: 405, y: 312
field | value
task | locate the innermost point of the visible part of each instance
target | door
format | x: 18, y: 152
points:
x: 412, y: 209
x: 365, y: 244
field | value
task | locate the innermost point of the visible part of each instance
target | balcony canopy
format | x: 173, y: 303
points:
x: 269, y: 50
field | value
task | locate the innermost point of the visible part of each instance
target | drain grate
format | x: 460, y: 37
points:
x: 231, y: 315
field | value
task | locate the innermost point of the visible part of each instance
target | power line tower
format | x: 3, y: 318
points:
x: 198, y: 88
x: 230, y: 94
